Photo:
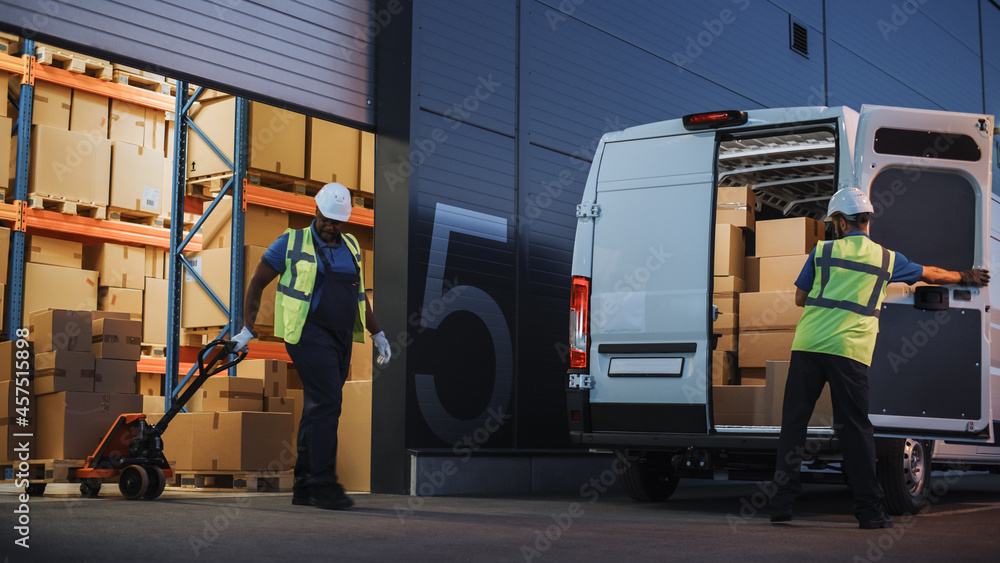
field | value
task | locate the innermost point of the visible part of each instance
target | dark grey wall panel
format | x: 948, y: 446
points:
x: 808, y: 12
x: 584, y: 83
x: 467, y: 59
x: 921, y: 54
x: 313, y: 56
x: 738, y: 45
x: 854, y: 81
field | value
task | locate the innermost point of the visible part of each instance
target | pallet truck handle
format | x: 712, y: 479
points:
x: 203, y: 374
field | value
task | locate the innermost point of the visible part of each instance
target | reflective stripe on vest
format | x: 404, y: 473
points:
x: 293, y: 298
x: 842, y: 309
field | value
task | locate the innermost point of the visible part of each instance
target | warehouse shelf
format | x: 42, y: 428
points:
x: 188, y: 355
x: 90, y: 84
x: 305, y: 205
x: 98, y: 229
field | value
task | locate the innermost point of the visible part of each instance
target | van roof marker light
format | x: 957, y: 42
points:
x: 713, y: 119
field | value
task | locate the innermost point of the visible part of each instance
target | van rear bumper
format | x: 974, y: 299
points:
x: 731, y: 441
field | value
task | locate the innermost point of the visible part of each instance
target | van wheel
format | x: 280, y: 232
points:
x: 904, y: 471
x: 645, y: 480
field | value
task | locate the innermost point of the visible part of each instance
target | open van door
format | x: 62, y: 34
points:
x: 652, y: 268
x: 927, y: 174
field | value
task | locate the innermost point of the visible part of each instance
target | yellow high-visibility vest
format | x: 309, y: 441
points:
x: 295, y: 288
x: 842, y: 310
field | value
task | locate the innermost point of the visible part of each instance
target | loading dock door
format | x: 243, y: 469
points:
x: 314, y: 57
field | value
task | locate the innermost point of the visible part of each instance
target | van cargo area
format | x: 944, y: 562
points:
x: 691, y: 233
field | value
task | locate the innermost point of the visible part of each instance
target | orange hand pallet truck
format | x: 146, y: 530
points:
x: 132, y: 450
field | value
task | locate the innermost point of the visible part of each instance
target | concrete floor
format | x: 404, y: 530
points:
x: 704, y: 521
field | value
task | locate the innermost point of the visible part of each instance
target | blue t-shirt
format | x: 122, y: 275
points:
x: 339, y: 257
x: 903, y: 270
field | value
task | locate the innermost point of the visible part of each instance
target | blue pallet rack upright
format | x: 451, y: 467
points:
x: 23, y: 127
x: 179, y: 265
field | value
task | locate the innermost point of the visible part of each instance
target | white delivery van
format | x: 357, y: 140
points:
x: 642, y: 311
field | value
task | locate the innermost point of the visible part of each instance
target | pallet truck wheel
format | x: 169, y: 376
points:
x: 134, y: 482
x: 35, y: 489
x: 157, y: 481
x: 89, y: 489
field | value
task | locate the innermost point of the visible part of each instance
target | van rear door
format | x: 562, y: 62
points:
x: 928, y: 176
x: 650, y: 307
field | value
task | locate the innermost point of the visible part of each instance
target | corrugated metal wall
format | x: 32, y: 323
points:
x: 315, y: 56
x: 508, y: 102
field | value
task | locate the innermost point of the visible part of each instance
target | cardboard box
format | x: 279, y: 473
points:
x: 120, y: 300
x: 769, y: 310
x: 57, y: 252
x: 117, y: 265
x: 262, y: 225
x: 361, y: 361
x: 354, y: 437
x: 156, y: 262
x: 69, y: 165
x: 12, y: 367
x: 214, y: 267
x: 273, y: 375
x: 64, y: 371
x: 89, y: 114
x: 155, y: 132
x: 776, y: 377
x: 223, y: 393
x: 757, y: 347
x: 72, y: 424
x: 128, y: 122
x: 152, y: 403
x: 366, y: 181
x: 751, y: 376
x: 280, y: 404
x: 735, y: 205
x: 216, y: 118
x: 751, y: 273
x: 17, y: 421
x: 727, y: 302
x: 727, y: 342
x: 739, y: 405
x: 117, y: 339
x: 277, y: 140
x: 729, y: 250
x: 299, y: 399
x: 7, y: 158
x: 334, y: 153
x: 114, y: 376
x: 52, y: 104
x: 154, y: 311
x: 56, y: 287
x: 245, y: 441
x: 778, y: 273
x: 294, y: 382
x: 137, y: 178
x: 61, y: 329
x: 183, y: 436
x: 726, y: 323
x: 784, y: 237
x: 149, y: 384
x: 724, y: 368
x: 726, y: 285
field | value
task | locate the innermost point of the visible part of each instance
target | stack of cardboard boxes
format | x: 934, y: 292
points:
x: 755, y: 296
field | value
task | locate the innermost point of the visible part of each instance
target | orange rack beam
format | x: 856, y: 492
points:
x: 189, y: 354
x: 294, y: 203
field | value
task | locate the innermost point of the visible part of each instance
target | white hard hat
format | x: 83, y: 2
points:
x: 334, y: 202
x: 849, y: 201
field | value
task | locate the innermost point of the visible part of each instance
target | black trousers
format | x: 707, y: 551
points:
x: 848, y: 379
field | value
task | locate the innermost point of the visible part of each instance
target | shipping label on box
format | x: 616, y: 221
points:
x: 60, y: 329
x: 784, y: 237
x: 114, y: 376
x: 778, y: 273
x: 57, y: 371
x: 769, y: 310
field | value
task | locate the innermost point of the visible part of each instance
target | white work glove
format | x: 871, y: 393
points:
x: 242, y: 339
x: 384, y: 353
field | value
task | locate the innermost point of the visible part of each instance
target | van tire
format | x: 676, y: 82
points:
x: 904, y: 471
x: 645, y: 480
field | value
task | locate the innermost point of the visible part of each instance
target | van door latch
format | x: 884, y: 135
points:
x: 581, y: 381
x: 587, y: 209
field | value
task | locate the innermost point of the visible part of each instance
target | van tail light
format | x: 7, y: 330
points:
x: 714, y: 119
x: 579, y: 322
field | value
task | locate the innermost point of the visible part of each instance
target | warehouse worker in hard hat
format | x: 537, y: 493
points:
x: 320, y: 309
x: 841, y: 287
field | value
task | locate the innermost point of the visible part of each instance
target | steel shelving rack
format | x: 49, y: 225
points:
x: 178, y: 358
